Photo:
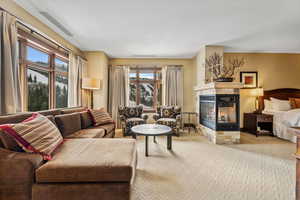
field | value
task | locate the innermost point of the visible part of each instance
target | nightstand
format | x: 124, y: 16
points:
x: 258, y: 124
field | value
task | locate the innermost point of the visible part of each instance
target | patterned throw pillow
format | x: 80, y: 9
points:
x: 100, y: 117
x: 167, y: 112
x: 36, y: 134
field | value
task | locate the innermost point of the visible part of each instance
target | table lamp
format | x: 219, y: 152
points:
x: 91, y: 84
x: 257, y: 92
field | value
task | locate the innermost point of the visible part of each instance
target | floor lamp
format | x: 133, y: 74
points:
x: 91, y: 84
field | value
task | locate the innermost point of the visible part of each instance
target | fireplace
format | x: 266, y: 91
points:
x: 220, y: 112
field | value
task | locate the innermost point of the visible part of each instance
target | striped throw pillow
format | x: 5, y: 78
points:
x: 100, y: 117
x: 36, y: 134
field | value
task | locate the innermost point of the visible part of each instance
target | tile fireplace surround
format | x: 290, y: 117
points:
x: 218, y: 137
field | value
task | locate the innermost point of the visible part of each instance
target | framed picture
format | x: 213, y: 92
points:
x: 249, y: 79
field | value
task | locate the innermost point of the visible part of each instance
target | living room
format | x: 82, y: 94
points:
x: 149, y: 100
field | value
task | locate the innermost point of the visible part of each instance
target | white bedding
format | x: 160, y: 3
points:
x: 282, y: 121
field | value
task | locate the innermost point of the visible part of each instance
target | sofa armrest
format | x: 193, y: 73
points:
x: 17, y: 172
x: 145, y: 117
x: 156, y: 116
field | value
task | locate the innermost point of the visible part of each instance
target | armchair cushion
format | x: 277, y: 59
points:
x: 134, y: 121
x: 156, y: 116
x: 145, y: 117
x: 168, y: 122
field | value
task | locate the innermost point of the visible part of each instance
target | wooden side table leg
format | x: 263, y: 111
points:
x: 146, y: 145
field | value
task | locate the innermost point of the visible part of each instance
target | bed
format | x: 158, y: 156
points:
x: 282, y: 120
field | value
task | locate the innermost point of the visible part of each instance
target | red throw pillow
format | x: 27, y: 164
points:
x: 36, y: 134
x: 100, y: 117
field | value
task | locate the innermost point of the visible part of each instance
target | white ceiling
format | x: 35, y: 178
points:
x: 174, y: 28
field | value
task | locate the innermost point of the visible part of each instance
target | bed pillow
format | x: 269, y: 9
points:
x: 36, y: 134
x: 295, y: 102
x: 280, y: 105
x: 268, y: 105
x: 100, y: 117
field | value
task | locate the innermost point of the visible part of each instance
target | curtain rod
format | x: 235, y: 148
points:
x: 31, y: 29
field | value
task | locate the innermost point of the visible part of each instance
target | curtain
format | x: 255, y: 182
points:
x: 76, y: 65
x: 172, y: 81
x: 10, y: 87
x: 118, y: 90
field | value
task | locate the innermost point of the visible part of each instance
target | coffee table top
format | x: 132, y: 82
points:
x: 151, y: 129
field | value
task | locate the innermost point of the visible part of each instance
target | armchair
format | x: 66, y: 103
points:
x: 131, y: 116
x: 169, y: 116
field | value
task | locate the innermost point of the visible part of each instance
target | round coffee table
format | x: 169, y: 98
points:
x: 153, y: 130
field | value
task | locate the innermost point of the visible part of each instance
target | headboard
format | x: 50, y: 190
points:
x: 282, y: 93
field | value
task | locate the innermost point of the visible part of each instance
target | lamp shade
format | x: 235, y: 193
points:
x: 91, y: 84
x: 258, y: 92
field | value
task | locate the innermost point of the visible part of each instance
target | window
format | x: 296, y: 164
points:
x: 46, y: 71
x: 38, y: 89
x: 145, y: 88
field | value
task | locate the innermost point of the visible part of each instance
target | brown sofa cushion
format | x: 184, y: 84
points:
x: 73, y: 110
x: 87, y: 133
x: 14, y: 118
x: 86, y: 119
x: 91, y: 160
x: 50, y: 112
x: 9, y: 142
x: 68, y: 123
x: 107, y: 127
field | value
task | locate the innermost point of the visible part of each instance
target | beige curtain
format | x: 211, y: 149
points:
x: 76, y: 65
x: 172, y: 81
x: 118, y: 90
x: 10, y: 92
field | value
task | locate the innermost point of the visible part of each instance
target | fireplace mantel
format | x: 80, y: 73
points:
x: 219, y: 85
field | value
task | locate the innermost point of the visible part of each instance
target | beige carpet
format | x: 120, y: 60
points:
x: 260, y: 168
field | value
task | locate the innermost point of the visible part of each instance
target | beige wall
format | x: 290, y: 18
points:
x: 26, y: 17
x: 188, y: 71
x: 98, y: 68
x: 274, y: 71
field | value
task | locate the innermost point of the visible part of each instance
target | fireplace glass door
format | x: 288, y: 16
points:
x: 226, y: 110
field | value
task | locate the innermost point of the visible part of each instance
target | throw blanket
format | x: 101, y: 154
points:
x: 291, y: 118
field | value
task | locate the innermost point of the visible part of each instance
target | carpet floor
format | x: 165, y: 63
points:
x: 260, y: 168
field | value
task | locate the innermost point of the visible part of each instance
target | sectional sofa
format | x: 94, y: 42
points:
x: 89, y: 165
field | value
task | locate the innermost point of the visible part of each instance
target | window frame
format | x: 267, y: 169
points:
x: 26, y: 39
x: 138, y: 81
